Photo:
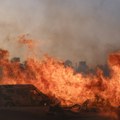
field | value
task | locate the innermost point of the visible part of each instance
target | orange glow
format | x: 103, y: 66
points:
x: 51, y: 77
x: 25, y: 41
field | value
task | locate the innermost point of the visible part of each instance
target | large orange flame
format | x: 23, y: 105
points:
x: 51, y: 77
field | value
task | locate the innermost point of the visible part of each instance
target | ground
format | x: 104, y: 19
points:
x: 40, y: 113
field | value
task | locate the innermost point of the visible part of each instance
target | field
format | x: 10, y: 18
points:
x: 42, y: 113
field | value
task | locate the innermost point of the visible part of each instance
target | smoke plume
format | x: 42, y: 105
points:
x: 76, y: 30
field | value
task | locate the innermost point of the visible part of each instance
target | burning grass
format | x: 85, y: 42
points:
x: 55, y: 80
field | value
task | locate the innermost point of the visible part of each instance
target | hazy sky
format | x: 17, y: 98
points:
x: 68, y: 29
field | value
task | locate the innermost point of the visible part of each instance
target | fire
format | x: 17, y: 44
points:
x: 28, y: 42
x: 51, y: 77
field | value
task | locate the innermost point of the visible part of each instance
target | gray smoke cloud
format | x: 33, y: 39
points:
x: 68, y: 29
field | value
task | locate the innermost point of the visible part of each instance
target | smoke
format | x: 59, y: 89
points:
x: 76, y: 30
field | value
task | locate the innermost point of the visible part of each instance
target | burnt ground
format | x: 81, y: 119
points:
x: 25, y: 102
x: 42, y: 113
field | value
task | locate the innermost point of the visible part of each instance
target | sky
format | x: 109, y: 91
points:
x: 67, y: 29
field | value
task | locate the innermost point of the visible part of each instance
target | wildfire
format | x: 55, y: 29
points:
x: 51, y: 77
x: 28, y: 42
